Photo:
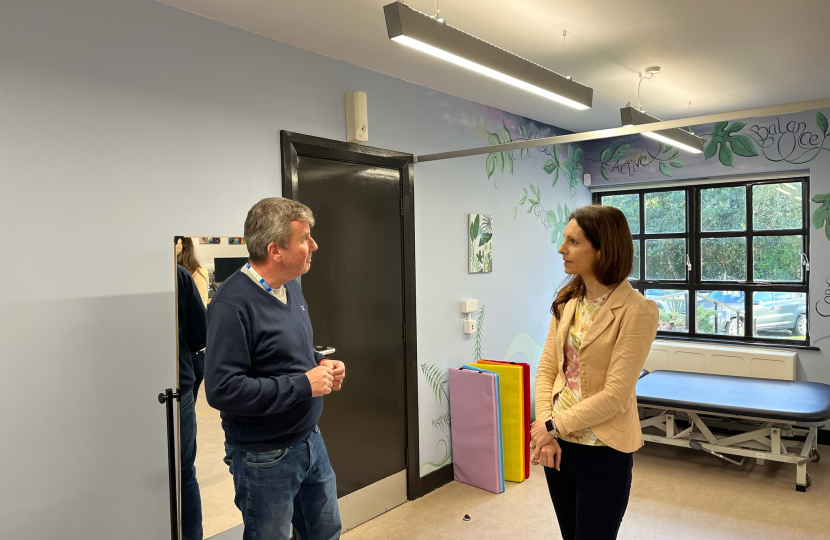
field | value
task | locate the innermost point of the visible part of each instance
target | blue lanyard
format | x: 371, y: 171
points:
x: 261, y: 281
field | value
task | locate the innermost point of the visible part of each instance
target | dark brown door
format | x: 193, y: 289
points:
x: 354, y: 292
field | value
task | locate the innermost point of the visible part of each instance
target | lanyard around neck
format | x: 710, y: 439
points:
x: 259, y: 278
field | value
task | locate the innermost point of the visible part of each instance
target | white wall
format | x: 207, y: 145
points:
x: 132, y: 119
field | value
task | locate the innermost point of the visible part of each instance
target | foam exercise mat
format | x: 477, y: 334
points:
x: 476, y: 428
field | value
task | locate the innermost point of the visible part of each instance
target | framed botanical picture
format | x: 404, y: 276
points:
x: 481, y: 243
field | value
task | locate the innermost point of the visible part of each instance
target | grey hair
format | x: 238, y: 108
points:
x: 268, y: 221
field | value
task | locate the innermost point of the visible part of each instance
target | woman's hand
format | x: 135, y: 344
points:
x: 549, y: 455
x: 539, y: 435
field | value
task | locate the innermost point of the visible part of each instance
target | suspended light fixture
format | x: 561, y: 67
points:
x: 433, y: 36
x: 629, y: 116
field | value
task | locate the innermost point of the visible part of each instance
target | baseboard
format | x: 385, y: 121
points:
x: 429, y: 483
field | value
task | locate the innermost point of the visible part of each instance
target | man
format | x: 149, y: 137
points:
x: 262, y: 373
x: 192, y: 329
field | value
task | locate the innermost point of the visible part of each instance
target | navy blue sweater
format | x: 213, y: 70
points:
x: 258, y: 351
x: 191, y: 320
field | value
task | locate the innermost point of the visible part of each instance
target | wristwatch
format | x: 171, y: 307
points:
x: 551, y: 427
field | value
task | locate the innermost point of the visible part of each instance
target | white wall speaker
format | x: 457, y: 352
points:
x: 357, y: 117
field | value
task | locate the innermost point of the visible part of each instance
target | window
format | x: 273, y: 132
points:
x: 734, y: 254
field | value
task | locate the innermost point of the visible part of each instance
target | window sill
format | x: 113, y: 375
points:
x: 669, y: 336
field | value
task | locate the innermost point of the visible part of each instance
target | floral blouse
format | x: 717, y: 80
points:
x: 586, y: 312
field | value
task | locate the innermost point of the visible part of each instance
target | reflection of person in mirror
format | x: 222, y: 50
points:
x: 265, y: 377
x: 192, y: 335
x: 186, y: 256
x: 587, y: 427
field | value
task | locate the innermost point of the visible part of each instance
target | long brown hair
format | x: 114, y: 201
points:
x: 188, y: 256
x: 607, y: 230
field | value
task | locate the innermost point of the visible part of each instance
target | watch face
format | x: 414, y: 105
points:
x: 549, y: 425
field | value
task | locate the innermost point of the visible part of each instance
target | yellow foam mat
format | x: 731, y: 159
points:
x: 512, y: 419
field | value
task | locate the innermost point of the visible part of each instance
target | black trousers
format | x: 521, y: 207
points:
x: 590, y: 491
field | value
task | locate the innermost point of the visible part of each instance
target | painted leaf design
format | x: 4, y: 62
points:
x: 718, y: 130
x: 820, y: 216
x: 522, y: 152
x: 474, y: 229
x: 486, y: 237
x: 737, y: 126
x: 741, y: 145
x: 675, y: 153
x: 523, y: 198
x: 578, y: 155
x: 570, y: 153
x: 555, y: 177
x: 605, y: 173
x: 827, y: 231
x: 516, y: 209
x: 711, y: 149
x: 619, y: 152
x: 676, y: 164
x: 665, y: 169
x: 821, y: 198
x: 505, y: 133
x: 533, y: 200
x: 664, y: 148
x: 551, y: 216
x: 549, y: 166
x: 493, y: 138
x: 530, y: 208
x: 500, y: 161
x: 605, y: 154
x: 524, y: 131
x: 821, y: 122
x: 578, y: 173
x: 491, y: 164
x: 725, y: 156
x: 508, y: 161
x: 574, y: 183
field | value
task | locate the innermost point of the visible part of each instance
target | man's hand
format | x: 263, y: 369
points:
x: 338, y: 370
x: 321, y: 379
x: 549, y: 455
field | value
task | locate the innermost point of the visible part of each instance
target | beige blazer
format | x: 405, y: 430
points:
x: 610, y: 359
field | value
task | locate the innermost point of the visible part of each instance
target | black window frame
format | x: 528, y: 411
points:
x: 693, y: 235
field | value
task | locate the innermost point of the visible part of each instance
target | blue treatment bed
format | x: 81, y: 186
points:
x: 760, y: 415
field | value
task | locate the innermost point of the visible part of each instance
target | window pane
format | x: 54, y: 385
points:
x: 666, y: 259
x: 777, y: 258
x: 665, y: 212
x: 720, y: 312
x: 723, y: 209
x: 630, y: 206
x: 779, y: 316
x: 672, y: 306
x: 635, y: 269
x: 723, y: 259
x: 776, y: 206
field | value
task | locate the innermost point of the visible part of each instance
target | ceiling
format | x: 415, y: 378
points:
x: 722, y: 55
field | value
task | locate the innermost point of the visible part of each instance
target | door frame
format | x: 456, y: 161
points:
x: 293, y: 145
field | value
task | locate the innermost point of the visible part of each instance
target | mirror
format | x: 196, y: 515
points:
x: 206, y: 488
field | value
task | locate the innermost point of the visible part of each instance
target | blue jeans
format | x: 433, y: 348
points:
x: 191, y: 499
x: 289, y: 485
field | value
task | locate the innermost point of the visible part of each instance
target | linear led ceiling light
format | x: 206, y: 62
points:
x: 432, y: 36
x: 629, y: 116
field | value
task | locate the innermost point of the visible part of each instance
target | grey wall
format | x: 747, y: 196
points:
x: 124, y: 123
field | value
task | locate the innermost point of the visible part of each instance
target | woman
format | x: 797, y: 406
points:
x: 587, y: 426
x: 186, y: 256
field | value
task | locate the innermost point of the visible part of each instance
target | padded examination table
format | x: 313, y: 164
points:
x: 764, y: 411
